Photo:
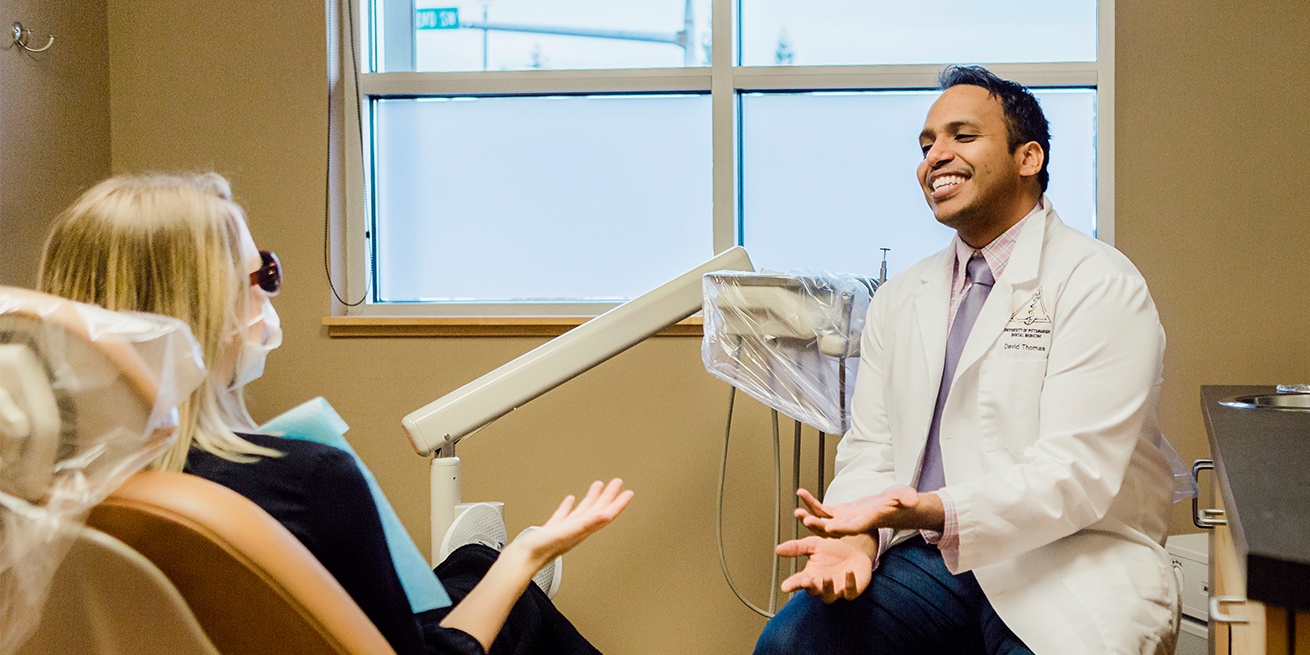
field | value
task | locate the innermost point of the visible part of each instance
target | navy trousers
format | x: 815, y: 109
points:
x: 913, y: 605
x: 534, y: 626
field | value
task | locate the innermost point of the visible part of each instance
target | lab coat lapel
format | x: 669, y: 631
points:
x: 1019, y: 274
x: 931, y: 303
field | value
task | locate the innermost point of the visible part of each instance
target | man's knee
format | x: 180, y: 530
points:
x: 804, y: 625
x: 782, y: 635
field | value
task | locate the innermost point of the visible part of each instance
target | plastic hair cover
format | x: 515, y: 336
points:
x: 791, y: 341
x: 87, y: 397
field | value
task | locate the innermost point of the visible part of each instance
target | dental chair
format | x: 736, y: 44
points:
x: 251, y: 585
x: 108, y: 599
x: 166, y: 562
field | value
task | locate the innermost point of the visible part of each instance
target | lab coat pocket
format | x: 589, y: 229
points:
x: 1132, y: 606
x: 1009, y: 397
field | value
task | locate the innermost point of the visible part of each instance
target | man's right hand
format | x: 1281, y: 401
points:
x: 837, y: 568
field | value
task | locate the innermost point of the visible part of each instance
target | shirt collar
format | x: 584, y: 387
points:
x: 997, y: 253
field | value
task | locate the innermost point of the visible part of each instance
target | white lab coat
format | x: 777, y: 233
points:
x: 1049, y: 437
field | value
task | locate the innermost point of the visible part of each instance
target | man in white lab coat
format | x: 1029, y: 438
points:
x: 1018, y: 503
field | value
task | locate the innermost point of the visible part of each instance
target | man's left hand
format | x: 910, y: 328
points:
x: 898, y: 507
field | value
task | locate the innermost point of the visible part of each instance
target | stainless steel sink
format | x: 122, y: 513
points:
x: 1283, y: 401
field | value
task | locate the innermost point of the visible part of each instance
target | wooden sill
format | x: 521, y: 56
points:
x: 426, y: 326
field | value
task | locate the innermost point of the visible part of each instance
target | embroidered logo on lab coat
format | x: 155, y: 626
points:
x: 1033, y: 311
x: 1029, y: 331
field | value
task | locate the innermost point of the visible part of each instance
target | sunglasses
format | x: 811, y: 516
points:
x: 269, y: 275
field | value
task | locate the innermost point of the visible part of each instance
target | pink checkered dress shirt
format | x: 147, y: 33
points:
x: 997, y: 253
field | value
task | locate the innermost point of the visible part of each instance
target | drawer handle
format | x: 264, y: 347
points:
x: 1209, y: 517
x: 1216, y: 609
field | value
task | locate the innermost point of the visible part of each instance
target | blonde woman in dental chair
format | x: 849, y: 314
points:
x: 179, y: 246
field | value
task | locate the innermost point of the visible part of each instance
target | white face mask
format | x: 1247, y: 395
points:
x: 250, y: 361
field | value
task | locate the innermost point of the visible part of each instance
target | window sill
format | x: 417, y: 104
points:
x: 423, y: 326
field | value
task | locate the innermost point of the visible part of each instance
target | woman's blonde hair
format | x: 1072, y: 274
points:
x: 166, y: 245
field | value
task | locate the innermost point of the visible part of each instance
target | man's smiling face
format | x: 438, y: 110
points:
x: 971, y: 180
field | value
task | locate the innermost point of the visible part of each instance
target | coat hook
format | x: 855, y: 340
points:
x: 21, y: 35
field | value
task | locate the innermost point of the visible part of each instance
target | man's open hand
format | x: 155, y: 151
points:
x: 837, y: 568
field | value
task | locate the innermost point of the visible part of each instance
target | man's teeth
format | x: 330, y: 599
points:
x: 946, y: 180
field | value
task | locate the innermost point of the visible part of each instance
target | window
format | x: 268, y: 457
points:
x: 555, y: 157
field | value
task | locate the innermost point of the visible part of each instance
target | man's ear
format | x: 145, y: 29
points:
x: 1030, y: 158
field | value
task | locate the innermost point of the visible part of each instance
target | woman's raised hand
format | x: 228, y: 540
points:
x: 572, y: 523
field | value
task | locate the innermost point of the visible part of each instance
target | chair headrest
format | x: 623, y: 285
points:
x: 87, y: 397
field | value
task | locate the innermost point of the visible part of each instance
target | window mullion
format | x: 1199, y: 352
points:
x: 537, y: 82
x: 909, y: 76
x: 724, y: 117
x: 1105, y: 122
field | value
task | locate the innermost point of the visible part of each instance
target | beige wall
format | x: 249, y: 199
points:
x: 1210, y: 103
x: 1210, y: 143
x: 54, y: 123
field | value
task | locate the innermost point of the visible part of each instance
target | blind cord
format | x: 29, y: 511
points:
x: 327, y: 175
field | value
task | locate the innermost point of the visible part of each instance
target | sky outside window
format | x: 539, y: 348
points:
x: 773, y: 32
x: 625, y: 23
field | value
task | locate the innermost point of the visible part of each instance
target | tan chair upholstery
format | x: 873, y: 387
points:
x: 253, y: 587
x: 107, y: 599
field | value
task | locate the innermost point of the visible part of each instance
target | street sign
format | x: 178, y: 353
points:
x: 445, y: 18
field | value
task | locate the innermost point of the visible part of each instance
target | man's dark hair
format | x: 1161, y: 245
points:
x: 1024, y: 120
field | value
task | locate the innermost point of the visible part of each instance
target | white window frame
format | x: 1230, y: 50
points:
x: 723, y: 81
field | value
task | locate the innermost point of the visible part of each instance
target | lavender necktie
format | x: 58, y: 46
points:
x: 932, y: 477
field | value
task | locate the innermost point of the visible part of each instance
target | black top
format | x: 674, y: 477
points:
x: 319, y: 495
x: 1260, y: 458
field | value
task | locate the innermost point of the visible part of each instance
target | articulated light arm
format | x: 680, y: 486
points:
x: 453, y: 416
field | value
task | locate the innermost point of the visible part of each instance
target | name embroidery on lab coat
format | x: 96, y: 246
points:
x: 1029, y: 329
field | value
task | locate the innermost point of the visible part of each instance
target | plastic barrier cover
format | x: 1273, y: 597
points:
x: 791, y: 341
x: 87, y: 397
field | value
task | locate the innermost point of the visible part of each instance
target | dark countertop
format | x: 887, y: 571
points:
x: 1262, y: 460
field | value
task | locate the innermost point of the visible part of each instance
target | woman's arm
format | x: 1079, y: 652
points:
x: 483, y: 612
